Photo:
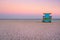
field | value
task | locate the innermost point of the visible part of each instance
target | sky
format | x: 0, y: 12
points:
x: 29, y: 9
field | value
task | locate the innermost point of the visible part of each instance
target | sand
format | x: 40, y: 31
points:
x: 29, y: 30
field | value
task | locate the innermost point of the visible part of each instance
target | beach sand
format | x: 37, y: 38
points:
x: 29, y: 30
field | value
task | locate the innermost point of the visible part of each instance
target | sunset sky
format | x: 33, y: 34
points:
x: 28, y: 9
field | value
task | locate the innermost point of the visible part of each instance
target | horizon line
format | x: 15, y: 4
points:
x: 26, y: 19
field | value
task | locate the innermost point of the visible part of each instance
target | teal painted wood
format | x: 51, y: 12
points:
x: 47, y: 17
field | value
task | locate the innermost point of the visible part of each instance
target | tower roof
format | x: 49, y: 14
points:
x: 46, y: 13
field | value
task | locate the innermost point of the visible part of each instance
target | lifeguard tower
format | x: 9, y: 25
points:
x: 47, y: 18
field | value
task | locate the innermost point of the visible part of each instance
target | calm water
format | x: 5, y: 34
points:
x: 32, y: 20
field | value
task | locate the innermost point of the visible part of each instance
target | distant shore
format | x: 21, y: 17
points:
x: 53, y: 20
x: 26, y: 19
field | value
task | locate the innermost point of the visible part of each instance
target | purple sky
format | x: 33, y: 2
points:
x: 28, y: 9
